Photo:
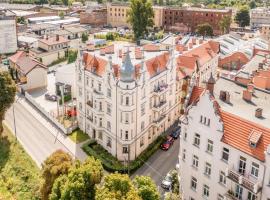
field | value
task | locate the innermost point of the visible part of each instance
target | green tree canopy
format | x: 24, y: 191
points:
x: 117, y: 187
x: 225, y: 24
x: 62, y: 15
x: 205, y: 29
x: 242, y: 17
x: 140, y: 16
x: 146, y: 188
x: 84, y: 37
x: 57, y: 164
x: 7, y: 95
x: 252, y: 4
x: 79, y: 183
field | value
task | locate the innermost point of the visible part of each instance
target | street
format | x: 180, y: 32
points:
x: 160, y: 164
x: 36, y: 137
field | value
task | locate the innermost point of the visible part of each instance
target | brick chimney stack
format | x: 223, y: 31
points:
x: 211, y: 84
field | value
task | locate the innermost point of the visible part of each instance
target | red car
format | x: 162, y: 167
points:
x: 167, y: 144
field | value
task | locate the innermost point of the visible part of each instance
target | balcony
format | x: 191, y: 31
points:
x: 240, y: 179
x: 159, y: 121
x: 158, y: 107
x: 160, y: 89
x: 90, y: 118
x: 230, y: 195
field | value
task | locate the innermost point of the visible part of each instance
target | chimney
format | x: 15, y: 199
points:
x: 211, y: 84
x: 247, y: 95
x: 57, y: 37
x: 258, y: 112
x: 250, y: 88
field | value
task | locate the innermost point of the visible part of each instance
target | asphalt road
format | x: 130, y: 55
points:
x: 160, y: 164
x: 36, y: 139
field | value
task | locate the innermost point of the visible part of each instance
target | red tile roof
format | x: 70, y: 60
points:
x: 237, y: 132
x: 151, y: 47
x: 25, y: 63
x: 94, y: 64
x: 53, y: 40
x: 195, y: 94
x: 157, y: 64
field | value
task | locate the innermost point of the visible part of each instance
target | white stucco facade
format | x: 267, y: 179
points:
x: 204, y: 173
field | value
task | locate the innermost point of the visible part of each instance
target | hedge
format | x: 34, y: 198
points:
x: 111, y: 164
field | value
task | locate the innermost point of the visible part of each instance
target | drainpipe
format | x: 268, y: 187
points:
x: 116, y: 128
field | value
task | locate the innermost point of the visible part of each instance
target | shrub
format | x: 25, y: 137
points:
x: 66, y: 98
x: 111, y: 164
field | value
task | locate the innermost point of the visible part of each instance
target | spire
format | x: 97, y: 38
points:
x: 210, y: 84
x: 127, y: 69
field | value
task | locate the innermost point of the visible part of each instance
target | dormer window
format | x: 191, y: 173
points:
x: 254, y: 138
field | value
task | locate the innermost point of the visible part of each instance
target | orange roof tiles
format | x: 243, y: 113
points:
x: 157, y: 64
x: 14, y: 58
x: 94, y: 64
x: 237, y: 133
x: 151, y: 47
x: 195, y: 94
x: 235, y: 57
x: 53, y: 40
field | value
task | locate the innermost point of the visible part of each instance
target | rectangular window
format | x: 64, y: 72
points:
x: 210, y: 146
x: 99, y: 87
x: 207, y: 170
x: 127, y: 101
x: 225, y: 154
x: 222, y: 178
x: 238, y: 192
x: 220, y: 197
x: 193, y: 183
x: 100, y: 135
x: 125, y: 150
x: 195, y: 161
x: 242, y: 165
x: 127, y: 118
x: 142, y: 109
x: 142, y: 141
x: 109, y: 142
x: 108, y: 125
x: 142, y: 125
x: 109, y: 92
x: 197, y: 140
x: 205, y: 191
x: 251, y: 196
x: 255, y: 169
x: 126, y: 135
x: 80, y: 91
x: 184, y: 155
x: 109, y: 111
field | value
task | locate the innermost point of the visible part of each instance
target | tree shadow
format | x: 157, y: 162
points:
x: 4, y: 151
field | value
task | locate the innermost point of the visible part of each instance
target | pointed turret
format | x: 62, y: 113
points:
x: 127, y: 70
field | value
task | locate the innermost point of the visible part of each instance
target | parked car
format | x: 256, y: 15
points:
x: 175, y: 134
x: 167, y: 181
x: 50, y: 97
x: 167, y: 144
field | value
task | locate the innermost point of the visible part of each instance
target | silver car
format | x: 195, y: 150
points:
x: 167, y: 181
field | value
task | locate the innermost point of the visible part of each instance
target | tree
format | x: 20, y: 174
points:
x: 57, y: 164
x: 140, y: 16
x: 252, y: 4
x: 62, y: 15
x: 65, y: 2
x: 79, y: 183
x: 117, y: 186
x: 172, y: 196
x: 72, y: 56
x: 7, y: 95
x: 204, y: 29
x: 175, y: 182
x: 146, y: 188
x: 84, y: 37
x: 242, y: 17
x: 21, y: 20
x: 225, y: 24
x: 99, y: 1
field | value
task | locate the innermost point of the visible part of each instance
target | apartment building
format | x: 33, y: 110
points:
x: 8, y: 33
x: 127, y: 96
x: 117, y: 15
x: 187, y: 19
x: 259, y: 17
x: 95, y: 17
x: 50, y: 49
x: 265, y: 32
x: 225, y: 143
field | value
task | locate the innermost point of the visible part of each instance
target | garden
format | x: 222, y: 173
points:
x: 112, y: 164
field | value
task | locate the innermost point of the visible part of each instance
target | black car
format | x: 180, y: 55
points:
x: 175, y: 134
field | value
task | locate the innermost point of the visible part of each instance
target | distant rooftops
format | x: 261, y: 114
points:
x: 54, y: 40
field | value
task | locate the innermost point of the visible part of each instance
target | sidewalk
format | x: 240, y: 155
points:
x: 74, y: 149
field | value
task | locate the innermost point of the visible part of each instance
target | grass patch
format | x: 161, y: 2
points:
x: 78, y: 136
x: 112, y: 164
x: 19, y: 175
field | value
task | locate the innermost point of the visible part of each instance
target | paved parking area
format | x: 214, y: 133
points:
x: 39, y: 95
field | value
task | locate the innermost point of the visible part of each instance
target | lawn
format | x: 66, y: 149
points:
x: 19, y: 175
x: 78, y: 136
